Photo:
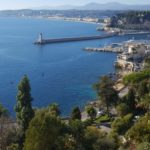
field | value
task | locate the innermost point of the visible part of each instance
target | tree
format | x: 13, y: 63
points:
x: 13, y: 147
x: 105, y: 91
x: 43, y: 132
x: 136, y: 77
x: 77, y: 132
x: 3, y: 118
x: 130, y: 99
x: 121, y: 125
x: 8, y: 131
x: 122, y: 109
x: 144, y: 146
x: 95, y: 139
x: 9, y: 136
x: 140, y: 131
x: 23, y: 108
x: 145, y: 102
x: 142, y: 88
x: 54, y: 109
x: 91, y: 111
x: 3, y: 111
x: 105, y: 144
x: 92, y: 134
x: 147, y: 63
x: 76, y: 113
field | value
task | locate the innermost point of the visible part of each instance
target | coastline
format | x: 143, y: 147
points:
x: 61, y: 18
x: 73, y: 20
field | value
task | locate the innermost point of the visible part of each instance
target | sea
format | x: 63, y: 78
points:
x: 60, y: 73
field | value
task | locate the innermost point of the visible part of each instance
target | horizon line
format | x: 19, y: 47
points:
x: 62, y: 5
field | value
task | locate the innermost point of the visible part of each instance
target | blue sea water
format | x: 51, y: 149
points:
x: 61, y: 73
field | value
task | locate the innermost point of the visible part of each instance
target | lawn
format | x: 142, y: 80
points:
x: 103, y: 118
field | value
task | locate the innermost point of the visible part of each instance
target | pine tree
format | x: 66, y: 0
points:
x: 44, y: 132
x: 106, y: 92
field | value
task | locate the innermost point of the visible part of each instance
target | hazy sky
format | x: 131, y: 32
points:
x: 15, y: 4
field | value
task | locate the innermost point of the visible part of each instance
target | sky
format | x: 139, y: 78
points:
x: 19, y: 4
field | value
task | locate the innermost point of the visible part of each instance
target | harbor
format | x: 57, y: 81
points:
x: 130, y: 56
x: 111, y: 49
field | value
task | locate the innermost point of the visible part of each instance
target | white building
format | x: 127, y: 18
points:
x: 134, y: 52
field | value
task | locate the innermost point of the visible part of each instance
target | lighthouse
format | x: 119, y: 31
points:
x: 40, y: 38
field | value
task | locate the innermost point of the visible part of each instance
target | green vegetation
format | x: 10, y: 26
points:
x: 121, y: 125
x: 145, y: 102
x: 140, y: 131
x: 147, y: 63
x: 49, y: 132
x: 137, y: 77
x: 132, y: 20
x: 91, y: 111
x: 122, y: 109
x: 3, y: 111
x: 23, y: 108
x: 106, y: 93
x: 144, y: 145
x: 130, y: 99
x: 7, y: 134
x: 128, y: 116
x: 43, y: 131
x: 103, y: 118
x: 54, y: 109
x: 76, y: 113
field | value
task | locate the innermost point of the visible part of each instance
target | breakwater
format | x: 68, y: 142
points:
x: 135, y: 33
x: 103, y: 49
x: 41, y: 41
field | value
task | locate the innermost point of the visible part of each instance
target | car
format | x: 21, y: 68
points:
x: 100, y: 112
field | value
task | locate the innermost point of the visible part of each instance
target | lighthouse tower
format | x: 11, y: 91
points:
x: 40, y: 39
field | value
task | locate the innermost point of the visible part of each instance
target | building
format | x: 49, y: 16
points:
x: 133, y: 54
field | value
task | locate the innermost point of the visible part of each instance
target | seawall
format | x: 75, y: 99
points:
x: 73, y: 39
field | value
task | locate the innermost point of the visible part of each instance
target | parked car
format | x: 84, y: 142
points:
x: 100, y: 112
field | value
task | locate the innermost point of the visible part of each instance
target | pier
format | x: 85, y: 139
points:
x: 103, y: 49
x: 42, y: 41
x: 135, y: 33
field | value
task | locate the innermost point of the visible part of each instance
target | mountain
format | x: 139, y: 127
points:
x: 62, y: 7
x: 98, y: 6
x: 107, y: 6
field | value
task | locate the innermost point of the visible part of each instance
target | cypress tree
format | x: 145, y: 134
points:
x: 76, y: 113
x: 23, y: 108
